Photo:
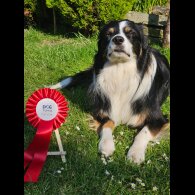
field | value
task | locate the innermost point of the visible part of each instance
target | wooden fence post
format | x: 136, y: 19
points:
x: 54, y: 21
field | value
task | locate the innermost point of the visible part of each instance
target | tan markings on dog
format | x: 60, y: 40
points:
x: 138, y: 120
x: 127, y: 29
x: 93, y: 124
x: 141, y: 118
x: 162, y: 132
x: 109, y: 124
x: 110, y: 31
x: 102, y: 115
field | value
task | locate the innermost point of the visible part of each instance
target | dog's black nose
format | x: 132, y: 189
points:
x: 118, y: 40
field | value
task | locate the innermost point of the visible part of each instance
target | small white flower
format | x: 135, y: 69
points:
x: 166, y: 158
x: 139, y: 180
x: 149, y: 161
x: 121, y: 133
x: 58, y: 171
x: 142, y: 184
x: 158, y: 142
x: 154, y: 188
x: 112, y: 178
x: 164, y: 155
x: 110, y: 160
x: 133, y: 185
x: 67, y: 133
x: 103, y: 160
x: 78, y: 128
x: 107, y: 173
x: 62, y: 168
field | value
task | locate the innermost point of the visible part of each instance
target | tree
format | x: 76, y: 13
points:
x: 166, y: 33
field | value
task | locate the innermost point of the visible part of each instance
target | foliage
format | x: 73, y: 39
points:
x: 36, y: 13
x: 88, y: 16
x: 29, y: 10
x: 147, y: 5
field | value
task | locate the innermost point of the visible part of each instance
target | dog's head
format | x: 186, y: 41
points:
x: 121, y: 41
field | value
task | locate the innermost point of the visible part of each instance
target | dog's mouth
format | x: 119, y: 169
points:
x: 118, y: 50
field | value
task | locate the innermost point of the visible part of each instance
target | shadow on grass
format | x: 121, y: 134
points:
x: 84, y: 172
x: 66, y: 30
x: 77, y: 95
x: 29, y: 132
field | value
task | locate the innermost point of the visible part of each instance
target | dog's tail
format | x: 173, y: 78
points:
x: 79, y: 78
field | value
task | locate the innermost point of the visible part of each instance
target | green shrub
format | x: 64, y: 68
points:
x: 147, y: 5
x: 36, y: 13
x: 87, y: 16
x: 29, y: 10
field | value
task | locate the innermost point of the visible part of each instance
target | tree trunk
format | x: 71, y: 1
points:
x: 166, y: 33
x: 54, y: 21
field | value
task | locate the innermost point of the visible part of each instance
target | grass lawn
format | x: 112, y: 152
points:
x: 47, y: 60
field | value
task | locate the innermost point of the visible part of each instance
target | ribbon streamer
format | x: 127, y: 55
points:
x: 46, y: 110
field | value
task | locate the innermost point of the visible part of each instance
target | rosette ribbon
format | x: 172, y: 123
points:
x: 46, y: 110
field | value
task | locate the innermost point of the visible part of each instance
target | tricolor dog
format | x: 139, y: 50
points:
x: 128, y: 83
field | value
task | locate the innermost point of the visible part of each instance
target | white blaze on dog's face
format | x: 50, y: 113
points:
x: 123, y: 41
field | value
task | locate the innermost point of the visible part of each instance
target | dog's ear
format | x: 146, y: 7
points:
x: 144, y: 40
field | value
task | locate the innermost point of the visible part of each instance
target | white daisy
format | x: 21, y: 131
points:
x: 107, y: 173
x: 139, y: 180
x: 154, y: 188
x: 149, y: 161
x: 121, y: 133
x: 103, y: 160
x: 133, y: 185
x: 78, y: 128
x: 67, y: 133
x: 142, y: 184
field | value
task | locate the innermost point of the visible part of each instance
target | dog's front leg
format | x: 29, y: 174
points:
x: 137, y: 151
x: 106, y: 144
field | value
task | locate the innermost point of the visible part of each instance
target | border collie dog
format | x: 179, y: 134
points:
x: 129, y: 81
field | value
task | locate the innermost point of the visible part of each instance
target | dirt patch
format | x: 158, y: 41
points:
x: 56, y: 42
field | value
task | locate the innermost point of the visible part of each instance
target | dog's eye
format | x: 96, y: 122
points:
x: 110, y: 32
x: 127, y: 29
x: 130, y: 33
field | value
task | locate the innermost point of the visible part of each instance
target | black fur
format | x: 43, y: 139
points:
x: 160, y: 86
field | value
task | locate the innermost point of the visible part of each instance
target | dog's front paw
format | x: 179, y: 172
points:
x: 106, y: 147
x: 48, y: 86
x: 53, y: 86
x: 136, y: 154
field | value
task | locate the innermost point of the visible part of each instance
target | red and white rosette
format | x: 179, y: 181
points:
x: 46, y: 110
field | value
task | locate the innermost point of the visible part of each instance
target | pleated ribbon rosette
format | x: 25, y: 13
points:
x: 46, y: 110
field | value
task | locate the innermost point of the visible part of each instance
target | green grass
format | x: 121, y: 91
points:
x: 50, y: 58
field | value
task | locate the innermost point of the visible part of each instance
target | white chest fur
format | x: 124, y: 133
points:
x: 119, y: 83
